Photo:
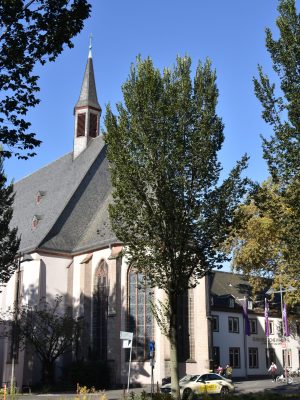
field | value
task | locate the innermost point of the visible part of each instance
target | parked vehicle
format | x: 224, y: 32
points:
x: 210, y: 383
x: 166, y: 388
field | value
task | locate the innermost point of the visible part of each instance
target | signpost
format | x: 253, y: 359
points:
x: 152, y: 363
x: 127, y: 338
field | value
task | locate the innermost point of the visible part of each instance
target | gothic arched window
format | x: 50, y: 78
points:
x: 100, y: 307
x: 140, y: 314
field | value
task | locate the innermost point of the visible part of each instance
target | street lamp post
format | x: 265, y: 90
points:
x: 281, y: 291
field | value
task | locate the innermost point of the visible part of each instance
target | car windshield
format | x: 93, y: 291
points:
x: 186, y: 378
x: 194, y: 378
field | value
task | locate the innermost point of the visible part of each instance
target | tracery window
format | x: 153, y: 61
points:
x: 139, y: 314
x: 100, y: 307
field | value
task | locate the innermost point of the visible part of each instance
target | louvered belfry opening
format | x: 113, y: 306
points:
x: 93, y: 128
x: 81, y: 124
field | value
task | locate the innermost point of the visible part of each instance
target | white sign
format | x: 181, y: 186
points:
x: 127, y: 344
x: 126, y: 335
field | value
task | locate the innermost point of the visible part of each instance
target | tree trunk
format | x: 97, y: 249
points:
x: 48, y: 373
x: 173, y: 343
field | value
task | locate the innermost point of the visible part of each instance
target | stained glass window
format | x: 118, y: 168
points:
x: 140, y: 318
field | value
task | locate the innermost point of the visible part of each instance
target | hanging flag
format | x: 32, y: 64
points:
x: 267, y: 328
x: 246, y: 318
x: 286, y: 330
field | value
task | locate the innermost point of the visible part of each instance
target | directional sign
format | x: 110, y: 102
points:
x: 127, y: 344
x: 152, y: 346
x: 126, y: 335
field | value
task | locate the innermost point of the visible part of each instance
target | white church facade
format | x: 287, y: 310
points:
x: 61, y: 212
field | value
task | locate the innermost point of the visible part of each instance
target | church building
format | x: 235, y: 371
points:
x: 61, y: 212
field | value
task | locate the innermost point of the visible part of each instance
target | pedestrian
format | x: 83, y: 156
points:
x: 228, y: 371
x: 220, y: 370
x: 273, y: 370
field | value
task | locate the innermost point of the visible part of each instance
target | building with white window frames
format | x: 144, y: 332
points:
x: 248, y: 355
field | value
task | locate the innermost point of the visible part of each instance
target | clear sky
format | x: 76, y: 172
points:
x: 229, y: 32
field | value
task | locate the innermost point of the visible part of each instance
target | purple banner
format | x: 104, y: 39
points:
x: 286, y: 329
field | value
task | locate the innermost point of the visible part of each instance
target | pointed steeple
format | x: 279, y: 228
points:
x: 88, y: 93
x: 87, y: 109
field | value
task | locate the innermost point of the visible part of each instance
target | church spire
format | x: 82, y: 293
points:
x: 87, y: 109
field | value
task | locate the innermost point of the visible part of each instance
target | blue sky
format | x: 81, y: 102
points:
x: 229, y: 32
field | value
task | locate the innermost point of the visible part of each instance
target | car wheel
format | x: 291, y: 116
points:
x: 224, y: 391
x: 187, y: 394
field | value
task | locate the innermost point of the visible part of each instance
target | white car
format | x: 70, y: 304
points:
x: 182, y: 382
x: 209, y: 383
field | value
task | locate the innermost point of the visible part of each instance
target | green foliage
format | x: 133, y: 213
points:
x: 9, y: 241
x: 266, y: 239
x: 282, y: 110
x: 169, y: 207
x: 31, y: 32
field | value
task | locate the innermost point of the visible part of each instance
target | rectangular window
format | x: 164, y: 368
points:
x: 233, y: 324
x: 271, y: 327
x: 298, y: 328
x: 81, y: 125
x: 253, y: 326
x: 93, y: 125
x: 270, y: 357
x: 234, y: 357
x: 286, y: 357
x: 231, y: 303
x: 253, y: 357
x: 215, y: 323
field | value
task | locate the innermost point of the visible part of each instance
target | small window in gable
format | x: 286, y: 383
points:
x: 250, y: 305
x: 231, y: 302
x: 39, y: 196
x: 35, y: 221
x: 93, y: 130
x: 81, y: 124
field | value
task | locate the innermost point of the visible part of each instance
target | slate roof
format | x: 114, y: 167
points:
x: 227, y: 283
x: 73, y: 213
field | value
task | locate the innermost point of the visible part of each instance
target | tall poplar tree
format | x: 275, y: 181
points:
x: 169, y: 208
x: 9, y: 241
x: 278, y: 200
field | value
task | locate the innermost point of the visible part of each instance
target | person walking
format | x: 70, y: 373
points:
x: 228, y: 371
x: 273, y: 370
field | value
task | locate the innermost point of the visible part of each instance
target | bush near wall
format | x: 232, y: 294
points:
x: 88, y: 373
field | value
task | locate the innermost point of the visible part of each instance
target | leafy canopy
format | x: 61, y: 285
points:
x: 9, y: 241
x: 169, y: 207
x: 31, y: 32
x: 266, y: 238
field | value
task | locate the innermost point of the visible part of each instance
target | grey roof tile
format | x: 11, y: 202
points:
x: 62, y: 183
